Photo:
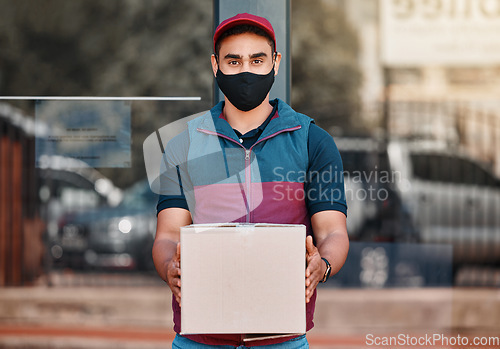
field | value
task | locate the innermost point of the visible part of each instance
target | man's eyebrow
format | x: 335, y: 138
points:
x: 232, y: 55
x: 254, y: 55
x: 257, y: 55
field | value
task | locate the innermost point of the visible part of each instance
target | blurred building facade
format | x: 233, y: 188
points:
x: 21, y: 226
x: 432, y: 70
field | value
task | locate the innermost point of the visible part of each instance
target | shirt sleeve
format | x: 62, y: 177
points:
x: 324, y: 185
x: 174, y: 180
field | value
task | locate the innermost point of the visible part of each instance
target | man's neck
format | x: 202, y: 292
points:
x: 247, y: 121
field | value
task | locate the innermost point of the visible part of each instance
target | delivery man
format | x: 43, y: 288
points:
x: 299, y: 179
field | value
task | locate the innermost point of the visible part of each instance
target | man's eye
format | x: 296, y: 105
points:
x: 232, y: 62
x: 257, y: 61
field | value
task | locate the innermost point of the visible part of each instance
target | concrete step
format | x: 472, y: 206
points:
x: 342, y: 315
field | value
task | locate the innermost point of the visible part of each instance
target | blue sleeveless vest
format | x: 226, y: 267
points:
x: 263, y: 184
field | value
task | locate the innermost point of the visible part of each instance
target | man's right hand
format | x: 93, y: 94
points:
x: 167, y: 248
x: 174, y: 274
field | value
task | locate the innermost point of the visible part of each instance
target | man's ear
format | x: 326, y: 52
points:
x: 215, y: 65
x: 277, y: 63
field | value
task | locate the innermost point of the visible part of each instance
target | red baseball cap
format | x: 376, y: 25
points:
x: 245, y: 18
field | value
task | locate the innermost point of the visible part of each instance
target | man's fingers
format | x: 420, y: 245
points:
x: 177, y: 256
x: 175, y: 271
x: 310, y: 287
x: 310, y: 245
x: 309, y: 293
x: 176, y: 289
x: 313, y: 270
x: 174, y: 274
x: 177, y: 294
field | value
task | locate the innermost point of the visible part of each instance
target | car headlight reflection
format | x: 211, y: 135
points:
x: 125, y: 225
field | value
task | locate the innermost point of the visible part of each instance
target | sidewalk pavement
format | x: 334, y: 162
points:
x: 141, y: 317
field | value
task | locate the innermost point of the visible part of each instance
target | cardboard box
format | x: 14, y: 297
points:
x: 243, y: 278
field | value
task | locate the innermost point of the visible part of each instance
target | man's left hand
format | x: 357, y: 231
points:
x: 315, y: 268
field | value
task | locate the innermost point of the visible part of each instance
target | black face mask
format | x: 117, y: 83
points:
x: 246, y: 90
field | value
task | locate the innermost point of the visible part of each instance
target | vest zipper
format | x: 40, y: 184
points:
x: 248, y: 172
x: 248, y: 178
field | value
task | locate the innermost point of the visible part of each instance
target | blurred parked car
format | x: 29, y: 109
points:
x: 453, y: 199
x: 422, y: 191
x: 375, y: 209
x: 67, y: 185
x: 417, y: 191
x: 112, y: 237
